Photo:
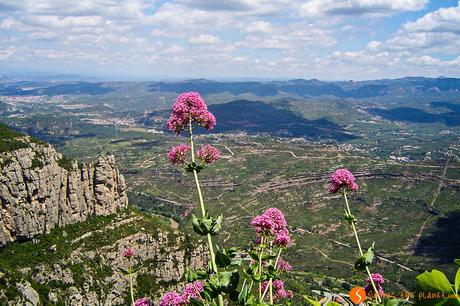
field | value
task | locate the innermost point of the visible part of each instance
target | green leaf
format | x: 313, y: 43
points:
x: 365, y: 260
x: 331, y: 303
x: 207, y: 225
x: 194, y: 302
x: 194, y: 166
x: 457, y: 262
x: 193, y: 275
x: 369, y: 255
x: 350, y: 219
x: 394, y: 302
x: 457, y: 281
x: 197, y: 226
x: 222, y: 259
x: 216, y: 225
x: 272, y: 272
x: 123, y: 271
x: 433, y: 288
x: 268, y: 256
x: 242, y: 297
x: 311, y: 301
x: 253, y: 255
x: 225, y: 278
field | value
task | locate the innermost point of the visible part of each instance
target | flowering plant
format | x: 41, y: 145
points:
x: 262, y: 282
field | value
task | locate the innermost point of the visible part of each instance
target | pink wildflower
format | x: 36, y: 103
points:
x: 192, y: 291
x: 282, y: 240
x: 178, y: 154
x: 263, y: 223
x: 190, y: 106
x: 278, y: 218
x: 208, y: 154
x: 280, y: 292
x: 272, y: 221
x: 278, y: 287
x: 171, y: 298
x: 378, y: 281
x: 129, y: 252
x: 283, y: 266
x: 342, y: 178
x: 142, y: 302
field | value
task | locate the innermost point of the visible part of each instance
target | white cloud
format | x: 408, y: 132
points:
x: 204, y: 39
x: 7, y: 53
x: 259, y: 26
x: 442, y: 20
x: 374, y: 45
x: 359, y: 7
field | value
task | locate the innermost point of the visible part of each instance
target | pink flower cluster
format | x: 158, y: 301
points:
x: 178, y: 154
x: 142, y: 302
x: 192, y: 291
x: 279, y: 292
x: 342, y: 178
x: 129, y: 252
x: 283, y: 266
x: 171, y: 298
x: 208, y: 154
x: 190, y: 106
x: 378, y: 281
x: 272, y: 222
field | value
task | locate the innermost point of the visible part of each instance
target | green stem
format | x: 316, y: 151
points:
x: 271, y: 280
x: 377, y: 296
x: 278, y: 258
x: 260, y: 264
x: 203, y: 209
x: 265, y: 291
x: 131, y: 285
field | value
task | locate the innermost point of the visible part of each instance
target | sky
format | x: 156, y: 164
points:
x: 277, y: 39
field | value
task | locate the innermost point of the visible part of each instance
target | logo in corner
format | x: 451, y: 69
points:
x: 357, y: 295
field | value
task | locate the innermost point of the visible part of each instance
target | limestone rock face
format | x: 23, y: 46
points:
x: 37, y: 193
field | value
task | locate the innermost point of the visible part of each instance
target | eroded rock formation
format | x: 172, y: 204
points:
x: 37, y: 193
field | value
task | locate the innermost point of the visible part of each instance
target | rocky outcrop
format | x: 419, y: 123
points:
x: 86, y: 264
x: 40, y: 189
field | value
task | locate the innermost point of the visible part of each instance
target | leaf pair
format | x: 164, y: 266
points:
x: 194, y: 166
x: 130, y: 270
x: 207, y: 225
x: 349, y: 218
x: 226, y: 258
x: 365, y: 260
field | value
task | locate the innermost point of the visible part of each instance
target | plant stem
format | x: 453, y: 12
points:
x: 265, y: 292
x: 271, y: 280
x: 131, y: 285
x: 203, y: 209
x: 260, y: 264
x: 377, y: 296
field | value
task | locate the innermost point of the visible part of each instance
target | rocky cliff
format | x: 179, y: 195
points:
x: 79, y: 264
x: 64, y: 227
x: 40, y: 189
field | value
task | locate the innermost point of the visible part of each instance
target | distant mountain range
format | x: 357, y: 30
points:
x: 298, y: 87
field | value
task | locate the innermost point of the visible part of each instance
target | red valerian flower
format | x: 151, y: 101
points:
x: 190, y: 106
x: 171, y: 298
x: 129, y: 252
x: 178, y: 154
x: 378, y: 281
x: 142, y: 302
x: 208, y: 154
x: 342, y: 178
